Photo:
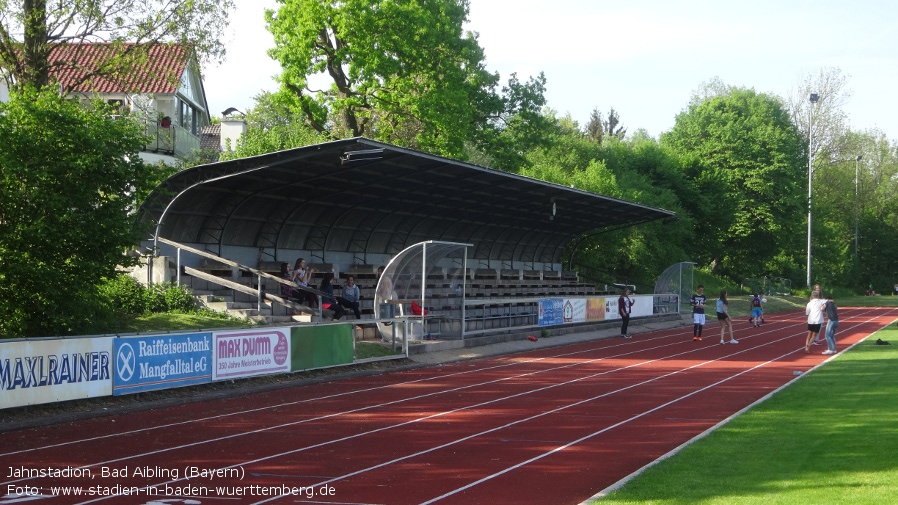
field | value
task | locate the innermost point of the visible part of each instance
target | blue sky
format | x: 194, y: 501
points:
x: 644, y: 58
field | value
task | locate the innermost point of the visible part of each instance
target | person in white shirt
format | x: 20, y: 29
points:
x: 723, y: 316
x: 814, y: 311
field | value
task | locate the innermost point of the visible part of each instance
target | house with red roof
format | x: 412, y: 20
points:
x: 159, y: 86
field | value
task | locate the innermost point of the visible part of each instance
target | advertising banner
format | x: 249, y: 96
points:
x: 246, y: 353
x: 550, y: 312
x: 161, y: 361
x: 595, y: 309
x: 52, y: 370
x: 574, y: 310
x: 642, y: 306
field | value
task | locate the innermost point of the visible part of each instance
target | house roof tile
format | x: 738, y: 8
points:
x: 75, y: 67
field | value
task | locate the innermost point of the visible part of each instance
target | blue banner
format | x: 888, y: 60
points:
x: 551, y: 312
x: 161, y: 362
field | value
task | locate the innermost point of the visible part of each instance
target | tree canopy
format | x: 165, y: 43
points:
x: 747, y: 159
x: 70, y: 182
x: 30, y: 28
x: 400, y: 72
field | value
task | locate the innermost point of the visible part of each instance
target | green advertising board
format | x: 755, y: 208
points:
x: 320, y: 346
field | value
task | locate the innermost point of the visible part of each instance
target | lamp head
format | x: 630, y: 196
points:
x: 813, y: 97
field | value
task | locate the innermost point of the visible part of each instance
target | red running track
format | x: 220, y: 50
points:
x: 551, y: 426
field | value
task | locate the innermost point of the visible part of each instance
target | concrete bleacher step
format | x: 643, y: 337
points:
x: 248, y: 310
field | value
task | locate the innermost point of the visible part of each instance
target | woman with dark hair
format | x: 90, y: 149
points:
x: 288, y: 292
x: 624, y: 306
x: 723, y: 316
x: 329, y: 302
x: 301, y: 276
x: 351, y: 296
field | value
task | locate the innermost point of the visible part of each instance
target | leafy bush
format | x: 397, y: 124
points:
x: 125, y: 295
x: 169, y: 297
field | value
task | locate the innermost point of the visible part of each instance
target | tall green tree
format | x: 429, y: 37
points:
x: 855, y: 217
x: 637, y: 170
x: 273, y: 124
x: 747, y: 159
x: 612, y: 126
x: 594, y: 129
x: 30, y: 28
x: 401, y: 72
x: 70, y: 182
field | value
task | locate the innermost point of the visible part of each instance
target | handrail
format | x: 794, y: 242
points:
x: 230, y: 285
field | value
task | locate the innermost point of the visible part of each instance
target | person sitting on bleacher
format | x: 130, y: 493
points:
x: 351, y: 296
x: 329, y: 302
x: 301, y: 276
x: 287, y: 291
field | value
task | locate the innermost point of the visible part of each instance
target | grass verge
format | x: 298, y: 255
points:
x: 172, y: 321
x: 828, y: 438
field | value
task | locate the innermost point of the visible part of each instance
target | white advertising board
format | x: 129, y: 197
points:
x: 642, y: 306
x: 246, y: 353
x: 53, y: 370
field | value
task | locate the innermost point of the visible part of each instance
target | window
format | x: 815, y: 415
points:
x: 187, y: 117
x: 118, y: 105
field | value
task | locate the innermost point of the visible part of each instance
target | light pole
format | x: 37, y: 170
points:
x: 857, y: 161
x: 813, y: 97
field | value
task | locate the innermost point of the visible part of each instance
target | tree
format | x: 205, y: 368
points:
x: 829, y: 119
x: 274, y: 124
x: 70, y: 182
x: 637, y: 171
x: 745, y: 157
x: 133, y: 26
x: 594, y: 127
x: 401, y: 72
x: 611, y: 125
x: 857, y: 196
x: 598, y: 129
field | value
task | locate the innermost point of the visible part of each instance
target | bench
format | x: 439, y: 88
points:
x: 533, y: 275
x: 486, y: 273
x: 216, y: 268
x: 511, y: 274
x: 362, y: 271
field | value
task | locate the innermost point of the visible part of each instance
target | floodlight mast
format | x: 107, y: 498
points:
x: 813, y: 97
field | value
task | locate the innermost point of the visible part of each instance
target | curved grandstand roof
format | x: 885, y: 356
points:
x: 367, y: 197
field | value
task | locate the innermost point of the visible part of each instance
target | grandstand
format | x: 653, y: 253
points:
x: 350, y: 206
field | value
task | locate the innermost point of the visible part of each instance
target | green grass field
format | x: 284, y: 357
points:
x: 831, y: 437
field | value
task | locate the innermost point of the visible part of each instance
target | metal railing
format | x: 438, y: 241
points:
x: 259, y: 292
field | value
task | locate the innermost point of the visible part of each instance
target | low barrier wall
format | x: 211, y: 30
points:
x: 53, y: 370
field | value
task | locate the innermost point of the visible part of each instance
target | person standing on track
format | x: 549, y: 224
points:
x: 756, y: 310
x: 698, y: 312
x: 817, y: 338
x: 723, y: 317
x: 832, y: 322
x: 624, y: 304
x: 814, y: 311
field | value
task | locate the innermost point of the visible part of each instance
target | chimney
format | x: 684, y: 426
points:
x: 232, y: 127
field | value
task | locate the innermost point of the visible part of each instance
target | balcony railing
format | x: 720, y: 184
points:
x: 173, y: 139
